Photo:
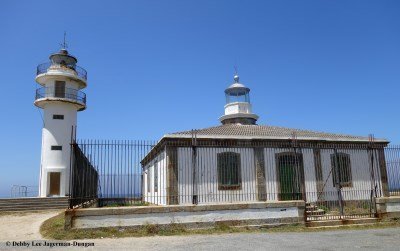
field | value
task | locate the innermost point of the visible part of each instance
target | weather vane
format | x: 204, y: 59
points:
x: 236, y: 77
x: 64, y: 44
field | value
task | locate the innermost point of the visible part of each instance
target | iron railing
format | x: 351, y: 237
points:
x: 392, y: 156
x: 18, y: 191
x: 44, y: 68
x: 118, y: 168
x: 65, y: 93
x: 335, y: 180
x: 83, y: 178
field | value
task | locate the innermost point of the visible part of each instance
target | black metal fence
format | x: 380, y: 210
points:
x: 84, y: 178
x: 119, y: 172
x: 392, y: 155
x: 335, y: 180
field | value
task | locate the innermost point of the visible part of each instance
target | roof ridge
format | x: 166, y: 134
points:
x: 268, y: 131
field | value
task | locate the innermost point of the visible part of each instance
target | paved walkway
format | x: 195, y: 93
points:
x: 25, y: 228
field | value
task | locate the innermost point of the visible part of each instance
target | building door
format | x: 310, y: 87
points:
x: 55, y: 183
x: 59, y: 90
x: 290, y: 176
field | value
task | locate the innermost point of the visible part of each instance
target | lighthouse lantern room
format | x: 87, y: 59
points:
x: 60, y: 97
x: 238, y: 108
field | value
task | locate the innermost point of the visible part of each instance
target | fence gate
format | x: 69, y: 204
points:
x: 338, y: 195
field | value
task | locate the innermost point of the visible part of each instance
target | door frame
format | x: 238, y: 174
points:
x: 50, y: 175
x: 301, y: 172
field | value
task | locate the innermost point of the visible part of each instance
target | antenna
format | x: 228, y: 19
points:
x: 64, y: 45
x: 236, y: 69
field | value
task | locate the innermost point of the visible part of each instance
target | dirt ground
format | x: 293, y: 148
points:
x: 23, y: 226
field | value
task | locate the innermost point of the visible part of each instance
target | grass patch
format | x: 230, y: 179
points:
x: 53, y: 228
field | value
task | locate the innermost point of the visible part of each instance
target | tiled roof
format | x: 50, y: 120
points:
x: 266, y: 132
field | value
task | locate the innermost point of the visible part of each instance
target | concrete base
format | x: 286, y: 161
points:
x: 388, y: 207
x: 200, y: 216
x: 344, y: 222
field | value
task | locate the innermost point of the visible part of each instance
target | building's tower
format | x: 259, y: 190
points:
x: 60, y: 98
x: 238, y: 106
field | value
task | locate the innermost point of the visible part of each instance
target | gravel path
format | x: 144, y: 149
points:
x: 372, y: 239
x: 24, y: 225
x: 23, y: 229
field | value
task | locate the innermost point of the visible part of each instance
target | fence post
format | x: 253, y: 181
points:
x: 338, y: 185
x: 260, y: 173
x: 383, y: 172
x: 172, y: 175
x: 194, y: 167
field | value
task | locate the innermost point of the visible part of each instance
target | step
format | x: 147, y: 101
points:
x: 339, y: 226
x: 34, y: 205
x: 315, y: 212
x: 31, y: 209
x: 329, y: 223
x: 311, y: 208
x: 32, y: 202
x: 34, y: 198
x: 30, y: 206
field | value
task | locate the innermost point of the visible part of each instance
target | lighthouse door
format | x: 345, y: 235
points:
x: 59, y: 90
x: 54, y: 184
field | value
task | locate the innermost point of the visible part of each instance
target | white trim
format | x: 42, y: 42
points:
x: 209, y: 136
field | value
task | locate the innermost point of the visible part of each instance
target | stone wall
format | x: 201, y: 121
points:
x: 191, y: 216
x: 388, y: 207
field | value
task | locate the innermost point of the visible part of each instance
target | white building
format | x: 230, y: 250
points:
x: 60, y: 98
x: 240, y: 161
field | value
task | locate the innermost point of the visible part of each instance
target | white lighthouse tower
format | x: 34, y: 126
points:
x: 238, y: 108
x: 60, y: 98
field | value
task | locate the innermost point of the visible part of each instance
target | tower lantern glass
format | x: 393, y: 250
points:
x: 237, y: 95
x: 237, y: 92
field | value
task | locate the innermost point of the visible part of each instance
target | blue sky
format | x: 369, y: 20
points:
x: 162, y: 66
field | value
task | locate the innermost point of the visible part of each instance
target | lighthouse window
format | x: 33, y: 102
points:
x: 56, y: 148
x: 155, y: 177
x: 148, y: 180
x: 58, y: 116
x: 229, y: 175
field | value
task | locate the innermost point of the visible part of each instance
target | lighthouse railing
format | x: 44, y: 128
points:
x: 45, y: 67
x: 64, y: 93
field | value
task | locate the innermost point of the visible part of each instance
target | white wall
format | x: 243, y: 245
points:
x: 361, y: 175
x: 237, y: 107
x: 271, y: 172
x: 151, y: 196
x: 208, y: 179
x: 56, y: 133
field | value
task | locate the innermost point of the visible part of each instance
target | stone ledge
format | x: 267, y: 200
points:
x: 257, y: 213
x: 391, y: 199
x: 262, y: 223
x: 182, y: 208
